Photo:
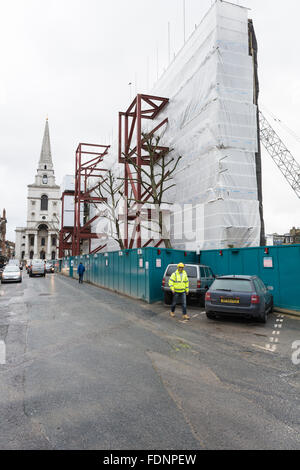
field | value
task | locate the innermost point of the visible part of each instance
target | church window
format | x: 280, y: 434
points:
x: 45, y: 179
x: 44, y: 218
x: 31, y: 240
x: 53, y: 241
x: 31, y: 255
x: 53, y: 255
x: 45, y: 167
x: 44, y: 203
x: 43, y: 241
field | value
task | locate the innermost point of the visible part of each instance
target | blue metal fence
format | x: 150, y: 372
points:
x: 138, y: 273
x: 277, y: 266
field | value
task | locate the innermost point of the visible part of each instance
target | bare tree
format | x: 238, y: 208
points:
x: 109, y: 188
x: 156, y: 178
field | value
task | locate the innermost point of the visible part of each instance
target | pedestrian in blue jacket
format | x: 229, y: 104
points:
x: 80, y: 271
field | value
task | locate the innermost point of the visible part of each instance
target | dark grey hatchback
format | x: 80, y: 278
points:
x: 245, y: 296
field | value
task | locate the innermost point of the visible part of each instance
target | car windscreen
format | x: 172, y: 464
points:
x: 11, y: 269
x: 191, y: 271
x: 236, y: 285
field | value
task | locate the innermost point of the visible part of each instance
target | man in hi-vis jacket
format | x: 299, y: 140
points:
x: 179, y: 284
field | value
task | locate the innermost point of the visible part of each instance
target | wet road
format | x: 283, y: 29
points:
x: 89, y: 369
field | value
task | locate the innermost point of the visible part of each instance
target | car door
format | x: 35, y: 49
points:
x: 266, y: 293
x: 210, y: 278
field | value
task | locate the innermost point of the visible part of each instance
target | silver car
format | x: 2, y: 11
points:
x: 37, y: 268
x: 200, y: 279
x: 11, y: 273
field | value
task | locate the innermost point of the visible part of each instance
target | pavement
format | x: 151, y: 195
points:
x: 90, y: 369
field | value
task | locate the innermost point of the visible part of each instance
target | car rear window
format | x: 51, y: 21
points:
x: 237, y: 285
x: 191, y: 271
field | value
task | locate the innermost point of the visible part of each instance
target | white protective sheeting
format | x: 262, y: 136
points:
x: 212, y: 125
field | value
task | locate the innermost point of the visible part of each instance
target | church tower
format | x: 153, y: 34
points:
x: 40, y: 237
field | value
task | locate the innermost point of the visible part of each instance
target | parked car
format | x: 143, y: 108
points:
x: 200, y: 279
x: 14, y: 262
x: 11, y: 273
x: 37, y: 268
x: 233, y: 295
x: 49, y: 267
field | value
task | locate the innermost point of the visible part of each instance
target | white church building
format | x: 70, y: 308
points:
x: 39, y: 239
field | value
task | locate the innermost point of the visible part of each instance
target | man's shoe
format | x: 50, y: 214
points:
x: 185, y: 317
x: 172, y: 314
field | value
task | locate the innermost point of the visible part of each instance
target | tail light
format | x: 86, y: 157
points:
x: 255, y: 299
x: 207, y: 296
x: 198, y: 284
x: 163, y: 282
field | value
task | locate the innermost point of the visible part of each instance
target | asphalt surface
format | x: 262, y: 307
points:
x: 90, y: 369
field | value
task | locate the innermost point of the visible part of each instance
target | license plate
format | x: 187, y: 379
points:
x: 230, y: 301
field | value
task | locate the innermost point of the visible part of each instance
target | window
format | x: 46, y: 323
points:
x: 44, y: 203
x: 53, y: 241
x: 53, y: 255
x: 238, y: 285
x: 45, y: 167
x: 45, y: 179
x: 31, y: 240
x: 31, y: 255
x: 43, y: 241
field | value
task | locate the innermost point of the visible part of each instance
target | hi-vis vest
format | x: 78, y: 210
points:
x: 179, y: 282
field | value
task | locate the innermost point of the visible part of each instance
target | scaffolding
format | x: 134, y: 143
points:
x: 66, y: 232
x: 88, y: 161
x: 132, y: 148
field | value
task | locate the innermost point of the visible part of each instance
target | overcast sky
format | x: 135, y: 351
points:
x: 72, y: 60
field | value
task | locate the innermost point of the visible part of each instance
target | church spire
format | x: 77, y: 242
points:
x: 45, y: 157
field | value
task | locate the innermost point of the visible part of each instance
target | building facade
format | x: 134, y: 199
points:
x: 39, y: 239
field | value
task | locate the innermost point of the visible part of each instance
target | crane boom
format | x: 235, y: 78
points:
x: 283, y: 158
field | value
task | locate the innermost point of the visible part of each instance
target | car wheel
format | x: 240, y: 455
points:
x: 264, y: 317
x: 168, y: 298
x: 210, y: 315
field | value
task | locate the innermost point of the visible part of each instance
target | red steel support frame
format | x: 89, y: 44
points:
x: 132, y: 145
x: 65, y: 233
x: 85, y: 169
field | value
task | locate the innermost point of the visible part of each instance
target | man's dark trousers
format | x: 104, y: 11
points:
x: 80, y: 278
x: 177, y: 297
